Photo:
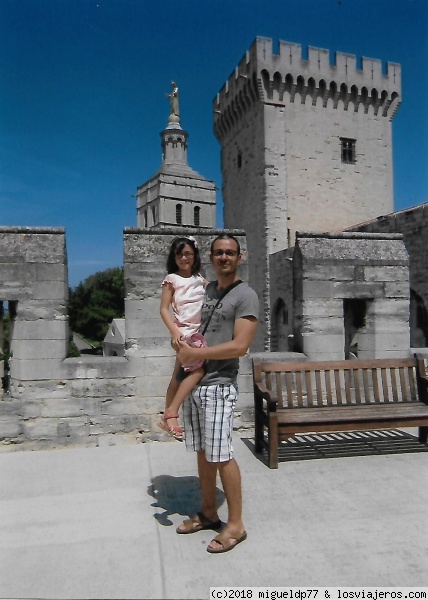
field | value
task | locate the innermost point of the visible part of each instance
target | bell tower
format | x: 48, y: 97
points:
x: 176, y: 195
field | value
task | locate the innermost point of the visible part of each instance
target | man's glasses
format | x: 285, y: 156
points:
x: 229, y: 253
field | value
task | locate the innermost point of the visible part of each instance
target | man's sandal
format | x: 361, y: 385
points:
x: 176, y: 432
x: 198, y: 523
x: 224, y: 542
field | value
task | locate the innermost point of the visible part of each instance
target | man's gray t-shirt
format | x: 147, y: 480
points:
x: 241, y: 301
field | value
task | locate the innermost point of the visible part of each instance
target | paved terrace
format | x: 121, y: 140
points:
x: 100, y: 522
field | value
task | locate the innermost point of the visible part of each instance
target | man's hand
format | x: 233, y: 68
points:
x: 186, y: 353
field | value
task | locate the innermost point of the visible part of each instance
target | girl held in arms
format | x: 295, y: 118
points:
x: 183, y: 289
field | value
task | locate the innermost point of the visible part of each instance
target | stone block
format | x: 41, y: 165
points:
x: 386, y: 273
x: 397, y: 289
x: 152, y: 386
x: 35, y: 429
x: 10, y: 427
x: 329, y: 272
x: 318, y: 289
x: 145, y: 329
x: 324, y: 347
x: 358, y: 289
x: 10, y: 407
x: 321, y: 325
x: 162, y: 366
x: 89, y: 367
x: 41, y: 329
x: 33, y: 310
x: 151, y: 347
x: 139, y: 309
x: 39, y: 349
x: 73, y: 428
x: 323, y: 307
x: 35, y: 370
x: 391, y: 307
x: 69, y: 407
x: 103, y: 388
x: 123, y: 406
x: 30, y: 409
x: 49, y: 290
x: 51, y: 272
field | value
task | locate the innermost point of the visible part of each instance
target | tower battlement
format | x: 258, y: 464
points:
x: 288, y: 77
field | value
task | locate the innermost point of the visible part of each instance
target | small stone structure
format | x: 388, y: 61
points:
x: 344, y: 295
x: 114, y: 341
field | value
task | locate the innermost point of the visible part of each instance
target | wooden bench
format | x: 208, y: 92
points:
x: 301, y: 397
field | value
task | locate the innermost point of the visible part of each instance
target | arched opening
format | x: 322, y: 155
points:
x: 280, y: 339
x: 418, y: 321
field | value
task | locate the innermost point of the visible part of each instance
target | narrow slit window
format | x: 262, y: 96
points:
x: 179, y: 214
x: 197, y: 216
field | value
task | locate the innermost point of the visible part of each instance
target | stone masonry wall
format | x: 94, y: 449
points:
x: 57, y: 401
x: 412, y: 223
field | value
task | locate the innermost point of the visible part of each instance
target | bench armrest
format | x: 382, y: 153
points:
x: 422, y: 378
x: 262, y: 393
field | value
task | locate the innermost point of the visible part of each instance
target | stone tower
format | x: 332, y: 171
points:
x: 306, y: 146
x: 176, y: 195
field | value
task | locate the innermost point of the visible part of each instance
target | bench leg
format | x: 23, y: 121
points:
x: 273, y: 441
x: 258, y: 433
x: 258, y: 425
x: 423, y: 435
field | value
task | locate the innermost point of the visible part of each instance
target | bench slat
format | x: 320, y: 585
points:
x: 328, y: 388
x: 353, y: 413
x: 384, y: 385
x: 403, y: 385
x: 279, y: 390
x: 356, y: 375
x: 308, y: 382
x: 289, y: 387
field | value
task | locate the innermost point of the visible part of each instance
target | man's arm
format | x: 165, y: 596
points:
x: 243, y: 334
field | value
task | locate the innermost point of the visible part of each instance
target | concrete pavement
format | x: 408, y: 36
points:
x: 100, y: 523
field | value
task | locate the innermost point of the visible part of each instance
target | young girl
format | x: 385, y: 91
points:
x: 183, y: 289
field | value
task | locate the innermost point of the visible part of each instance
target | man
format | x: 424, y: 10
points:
x: 208, y: 411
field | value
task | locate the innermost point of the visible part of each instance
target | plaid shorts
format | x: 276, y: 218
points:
x: 208, y: 420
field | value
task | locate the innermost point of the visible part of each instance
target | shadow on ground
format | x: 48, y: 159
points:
x: 342, y: 445
x: 177, y: 495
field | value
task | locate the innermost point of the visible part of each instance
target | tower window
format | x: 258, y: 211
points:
x: 197, y: 216
x: 179, y: 214
x: 154, y: 215
x: 347, y: 147
x: 239, y: 160
x: 145, y: 218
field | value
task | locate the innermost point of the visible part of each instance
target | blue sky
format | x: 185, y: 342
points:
x: 82, y: 98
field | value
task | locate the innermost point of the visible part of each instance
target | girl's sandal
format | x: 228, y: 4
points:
x: 175, y: 432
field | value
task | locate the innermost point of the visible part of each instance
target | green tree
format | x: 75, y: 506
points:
x: 95, y: 302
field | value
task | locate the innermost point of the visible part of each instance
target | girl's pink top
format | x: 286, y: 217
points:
x: 189, y: 293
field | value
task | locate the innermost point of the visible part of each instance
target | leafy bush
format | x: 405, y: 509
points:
x: 95, y: 302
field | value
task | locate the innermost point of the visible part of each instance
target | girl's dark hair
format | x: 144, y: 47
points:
x: 177, y: 248
x: 226, y: 236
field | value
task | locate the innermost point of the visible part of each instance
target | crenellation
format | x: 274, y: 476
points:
x: 279, y: 77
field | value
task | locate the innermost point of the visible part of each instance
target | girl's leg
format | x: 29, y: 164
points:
x: 184, y: 389
x: 173, y: 386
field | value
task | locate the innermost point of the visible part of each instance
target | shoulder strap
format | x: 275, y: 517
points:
x: 222, y: 295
